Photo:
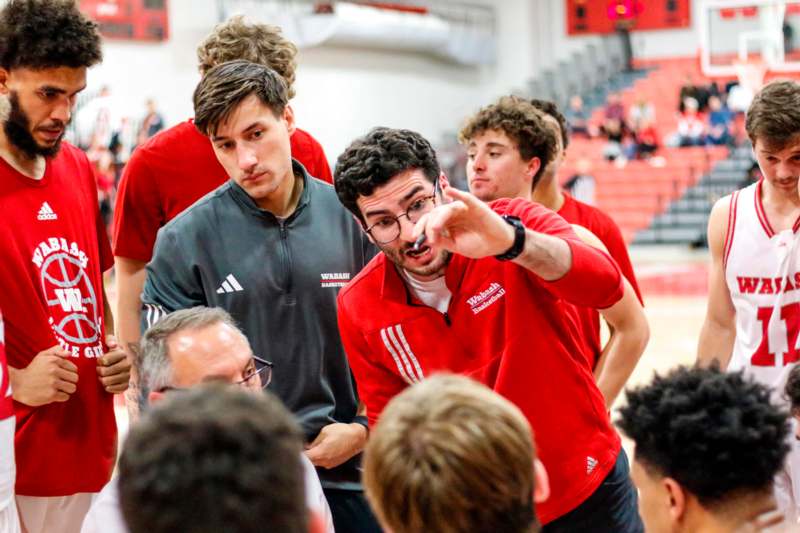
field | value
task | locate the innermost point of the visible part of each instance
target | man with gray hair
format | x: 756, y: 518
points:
x: 185, y: 349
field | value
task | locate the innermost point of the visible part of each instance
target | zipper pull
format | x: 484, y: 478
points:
x: 447, y: 319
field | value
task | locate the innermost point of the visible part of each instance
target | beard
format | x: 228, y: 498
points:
x: 435, y: 266
x: 17, y: 128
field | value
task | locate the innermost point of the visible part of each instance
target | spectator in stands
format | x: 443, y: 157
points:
x: 215, y: 459
x: 647, y: 138
x: 580, y: 186
x: 719, y: 122
x: 445, y: 444
x: 708, y: 445
x: 577, y: 117
x: 614, y: 127
x: 641, y: 112
x: 152, y: 123
x: 691, y: 125
x: 688, y: 90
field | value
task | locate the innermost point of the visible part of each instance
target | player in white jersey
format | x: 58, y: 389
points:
x: 753, y: 316
x: 9, y: 520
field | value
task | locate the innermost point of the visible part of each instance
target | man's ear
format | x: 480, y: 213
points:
x: 288, y: 116
x: 676, y: 499
x: 4, y: 77
x: 541, y: 483
x: 443, y: 181
x: 533, y: 166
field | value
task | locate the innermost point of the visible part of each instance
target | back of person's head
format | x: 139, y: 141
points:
x: 550, y: 109
x: 713, y: 436
x: 41, y: 34
x: 521, y: 122
x: 774, y: 115
x: 792, y: 388
x: 226, y: 86
x: 214, y: 458
x: 264, y: 44
x: 374, y: 159
x: 451, y: 456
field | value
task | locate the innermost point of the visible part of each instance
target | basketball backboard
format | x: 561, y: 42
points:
x: 744, y: 37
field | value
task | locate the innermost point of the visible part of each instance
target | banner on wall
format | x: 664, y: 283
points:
x: 135, y: 20
x: 605, y: 16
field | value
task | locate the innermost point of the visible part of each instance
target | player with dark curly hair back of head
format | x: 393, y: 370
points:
x: 708, y: 445
x: 64, y: 370
x: 792, y: 393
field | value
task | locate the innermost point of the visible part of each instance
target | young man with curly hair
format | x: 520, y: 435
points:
x: 444, y: 444
x: 174, y: 169
x: 511, y: 145
x: 64, y: 369
x: 481, y: 294
x: 753, y: 317
x: 708, y: 445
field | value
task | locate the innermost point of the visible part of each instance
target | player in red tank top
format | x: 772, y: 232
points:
x: 547, y: 191
x: 506, y: 145
x: 63, y: 369
x: 177, y: 167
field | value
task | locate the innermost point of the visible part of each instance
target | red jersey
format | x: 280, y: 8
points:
x: 52, y: 260
x: 506, y: 328
x: 605, y: 229
x: 173, y: 170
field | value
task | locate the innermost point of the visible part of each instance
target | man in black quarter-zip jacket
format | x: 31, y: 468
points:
x: 272, y: 246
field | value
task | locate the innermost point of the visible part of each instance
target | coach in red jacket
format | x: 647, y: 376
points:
x: 482, y: 296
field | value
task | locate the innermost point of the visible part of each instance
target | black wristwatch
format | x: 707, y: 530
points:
x: 519, y: 239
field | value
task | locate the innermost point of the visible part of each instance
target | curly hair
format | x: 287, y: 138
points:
x: 774, y: 115
x: 522, y: 122
x: 214, y: 458
x: 41, y: 34
x: 792, y: 389
x: 444, y: 444
x: 374, y: 159
x: 715, y: 433
x: 551, y: 109
x: 258, y: 43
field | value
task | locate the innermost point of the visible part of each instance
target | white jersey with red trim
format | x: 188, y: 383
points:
x: 8, y: 469
x: 762, y: 271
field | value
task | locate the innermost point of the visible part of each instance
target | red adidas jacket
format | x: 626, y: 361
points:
x: 504, y: 327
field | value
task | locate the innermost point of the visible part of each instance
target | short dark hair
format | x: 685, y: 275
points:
x: 716, y: 433
x: 41, y: 34
x: 550, y: 108
x: 774, y: 115
x: 214, y: 458
x: 374, y: 159
x: 226, y: 86
x: 792, y: 389
x: 522, y: 123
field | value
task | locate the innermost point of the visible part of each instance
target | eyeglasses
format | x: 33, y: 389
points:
x: 253, y: 376
x: 257, y: 377
x: 387, y: 229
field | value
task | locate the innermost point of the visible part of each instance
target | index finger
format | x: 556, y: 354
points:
x: 67, y: 365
